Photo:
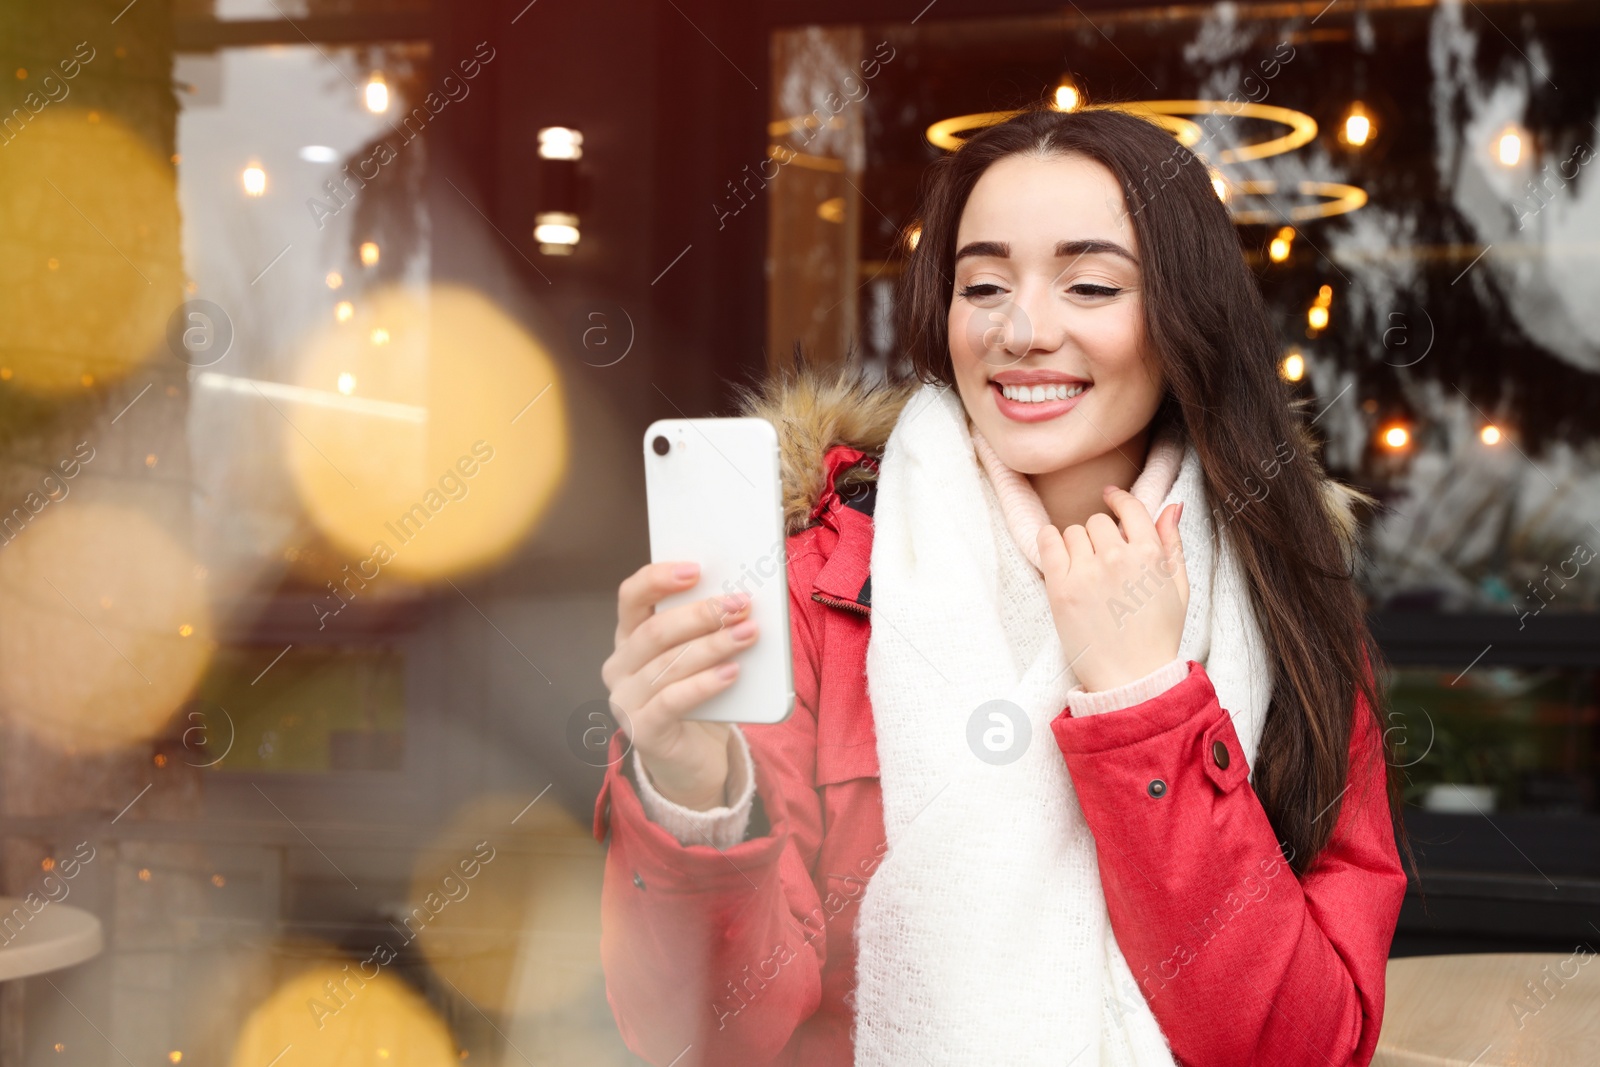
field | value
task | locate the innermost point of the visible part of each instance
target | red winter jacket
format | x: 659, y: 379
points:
x: 747, y: 956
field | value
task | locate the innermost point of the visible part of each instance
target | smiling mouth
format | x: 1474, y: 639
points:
x: 1038, y: 394
x: 1038, y: 401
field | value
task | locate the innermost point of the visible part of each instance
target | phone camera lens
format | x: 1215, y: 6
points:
x: 661, y: 445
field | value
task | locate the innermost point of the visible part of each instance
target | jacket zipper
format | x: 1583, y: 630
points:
x: 836, y: 602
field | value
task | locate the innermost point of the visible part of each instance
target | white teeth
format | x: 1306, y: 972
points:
x: 1036, y: 394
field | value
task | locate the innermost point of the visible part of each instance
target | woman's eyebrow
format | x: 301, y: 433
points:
x: 1093, y: 246
x: 1064, y: 249
x: 997, y: 249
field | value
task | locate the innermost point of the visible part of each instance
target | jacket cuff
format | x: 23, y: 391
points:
x: 720, y: 827
x: 1081, y: 702
x: 1111, y: 757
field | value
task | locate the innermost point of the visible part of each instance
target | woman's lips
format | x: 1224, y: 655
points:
x: 1035, y: 412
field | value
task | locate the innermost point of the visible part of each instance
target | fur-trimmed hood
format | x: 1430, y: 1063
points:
x: 815, y: 408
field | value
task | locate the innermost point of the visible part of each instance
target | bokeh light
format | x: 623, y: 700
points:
x: 1219, y: 185
x: 254, y: 179
x: 94, y: 657
x: 1358, y: 126
x: 1395, y: 437
x: 1490, y: 435
x: 522, y: 935
x: 359, y: 1022
x: 1282, y: 244
x: 452, y: 450
x: 1294, y: 366
x: 103, y: 206
x: 1508, y: 149
x: 1317, y: 314
x: 560, y: 142
x: 556, y: 231
x: 377, y: 93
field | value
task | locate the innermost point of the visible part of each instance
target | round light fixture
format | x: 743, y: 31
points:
x: 809, y: 124
x: 1172, y: 115
x: 1337, y: 198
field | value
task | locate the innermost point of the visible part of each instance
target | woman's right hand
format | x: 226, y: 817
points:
x: 667, y: 663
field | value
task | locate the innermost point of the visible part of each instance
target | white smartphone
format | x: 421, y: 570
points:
x: 716, y: 498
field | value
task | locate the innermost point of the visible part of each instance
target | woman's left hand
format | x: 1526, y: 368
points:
x: 1118, y: 595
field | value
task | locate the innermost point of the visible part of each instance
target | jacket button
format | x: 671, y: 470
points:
x: 1156, y: 788
x: 637, y: 880
x: 1219, y: 752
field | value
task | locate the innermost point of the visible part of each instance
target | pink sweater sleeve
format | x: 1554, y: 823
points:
x: 721, y: 827
x: 1158, y: 681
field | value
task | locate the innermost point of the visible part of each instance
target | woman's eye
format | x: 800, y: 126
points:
x: 982, y: 289
x: 1086, y: 289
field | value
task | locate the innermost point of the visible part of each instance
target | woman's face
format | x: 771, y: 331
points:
x: 1046, y: 317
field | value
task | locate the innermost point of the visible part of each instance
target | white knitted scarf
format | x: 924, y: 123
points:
x: 983, y: 935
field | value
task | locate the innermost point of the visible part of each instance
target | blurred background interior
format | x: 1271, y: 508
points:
x: 328, y: 332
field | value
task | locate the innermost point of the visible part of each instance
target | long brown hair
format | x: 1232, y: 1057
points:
x: 1218, y: 352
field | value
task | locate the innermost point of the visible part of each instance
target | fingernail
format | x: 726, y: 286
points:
x: 685, y: 571
x: 744, y: 631
x: 727, y: 670
x: 734, y: 601
x: 1180, y: 512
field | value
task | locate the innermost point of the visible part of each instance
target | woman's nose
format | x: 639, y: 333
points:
x: 1033, y: 324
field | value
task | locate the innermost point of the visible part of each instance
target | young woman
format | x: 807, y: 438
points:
x: 1085, y: 766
